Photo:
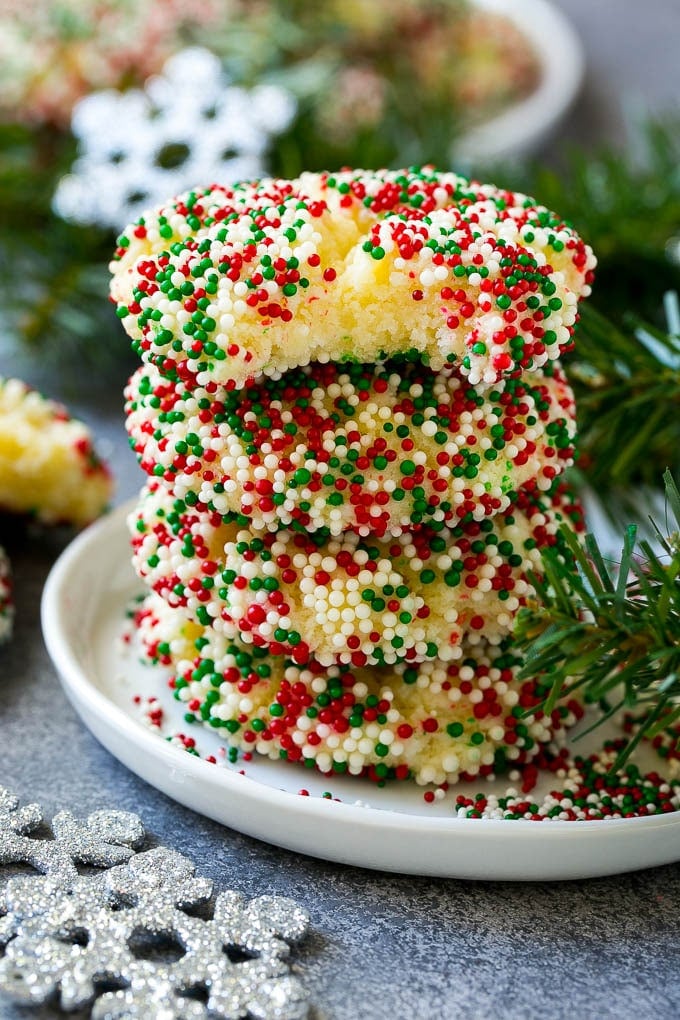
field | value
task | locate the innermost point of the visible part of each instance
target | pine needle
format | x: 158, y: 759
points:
x: 628, y: 398
x: 586, y: 633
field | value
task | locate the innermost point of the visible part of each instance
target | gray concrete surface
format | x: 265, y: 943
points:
x: 385, y: 946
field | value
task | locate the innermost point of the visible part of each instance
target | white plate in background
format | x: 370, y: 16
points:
x: 522, y: 127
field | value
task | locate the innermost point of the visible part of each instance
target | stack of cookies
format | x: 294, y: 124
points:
x: 354, y: 427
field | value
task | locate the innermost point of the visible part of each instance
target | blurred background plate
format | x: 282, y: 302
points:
x: 523, y: 127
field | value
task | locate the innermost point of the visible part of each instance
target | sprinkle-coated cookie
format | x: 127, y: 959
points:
x: 48, y: 466
x: 6, y: 598
x: 376, y: 448
x: 434, y: 722
x: 224, y: 284
x: 348, y: 599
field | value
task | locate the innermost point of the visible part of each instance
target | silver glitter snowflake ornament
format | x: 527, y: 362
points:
x: 189, y: 126
x: 128, y: 940
x: 104, y: 839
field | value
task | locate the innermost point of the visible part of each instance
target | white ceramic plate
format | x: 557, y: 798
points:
x: 391, y: 829
x: 525, y: 125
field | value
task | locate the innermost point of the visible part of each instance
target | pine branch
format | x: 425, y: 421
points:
x: 611, y: 633
x: 627, y: 383
x: 627, y: 207
x: 53, y: 274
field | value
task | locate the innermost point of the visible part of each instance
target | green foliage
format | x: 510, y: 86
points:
x: 627, y: 383
x: 627, y: 207
x: 53, y: 274
x: 625, y: 368
x: 610, y: 633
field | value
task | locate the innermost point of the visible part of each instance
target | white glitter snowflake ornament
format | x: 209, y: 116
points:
x: 128, y: 941
x: 188, y: 126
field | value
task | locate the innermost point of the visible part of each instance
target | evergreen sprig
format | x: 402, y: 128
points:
x: 53, y: 274
x: 625, y: 367
x: 627, y: 207
x: 627, y: 383
x: 611, y: 633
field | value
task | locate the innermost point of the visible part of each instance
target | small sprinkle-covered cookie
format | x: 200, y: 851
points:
x: 376, y: 448
x: 6, y: 598
x: 433, y: 722
x: 348, y: 599
x: 224, y: 284
x: 48, y: 466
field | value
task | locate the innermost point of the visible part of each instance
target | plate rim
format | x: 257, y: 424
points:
x: 76, y: 682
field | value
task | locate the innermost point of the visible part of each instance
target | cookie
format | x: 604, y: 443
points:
x: 375, y: 448
x: 433, y: 722
x: 49, y: 469
x: 348, y: 599
x: 225, y: 284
